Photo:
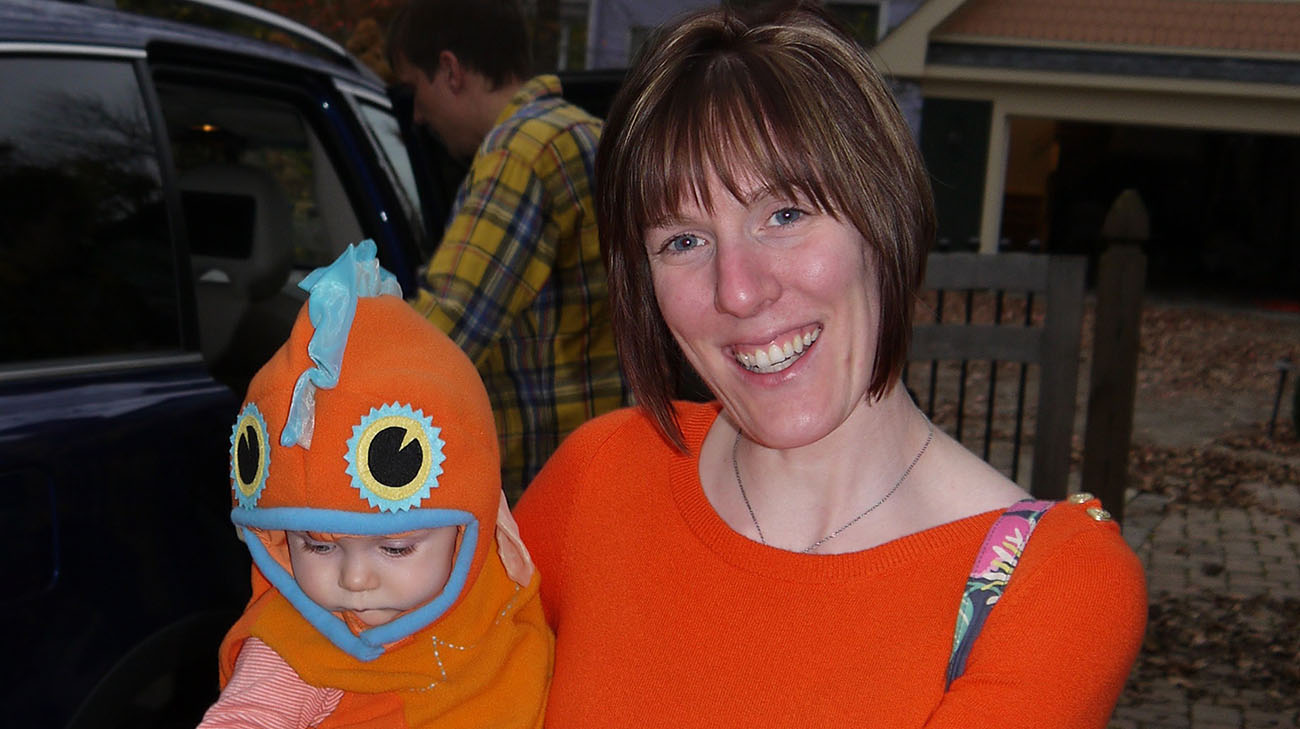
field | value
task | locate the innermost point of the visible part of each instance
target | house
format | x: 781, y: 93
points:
x: 1037, y: 114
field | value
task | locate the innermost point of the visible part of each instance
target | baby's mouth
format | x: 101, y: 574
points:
x: 778, y: 355
x: 373, y: 616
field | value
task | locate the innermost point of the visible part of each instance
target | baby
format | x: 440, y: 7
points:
x: 390, y: 588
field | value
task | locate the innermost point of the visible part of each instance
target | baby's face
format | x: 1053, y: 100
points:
x: 375, y: 578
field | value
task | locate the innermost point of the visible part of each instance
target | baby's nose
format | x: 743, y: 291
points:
x: 357, y: 575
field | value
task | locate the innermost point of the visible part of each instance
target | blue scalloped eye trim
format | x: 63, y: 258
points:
x: 331, y: 305
x: 249, y: 501
x: 369, y: 644
x: 390, y: 499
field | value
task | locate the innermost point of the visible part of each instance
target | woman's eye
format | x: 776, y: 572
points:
x: 785, y: 216
x: 682, y: 243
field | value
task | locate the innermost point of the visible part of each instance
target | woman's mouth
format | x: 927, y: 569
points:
x: 778, y: 355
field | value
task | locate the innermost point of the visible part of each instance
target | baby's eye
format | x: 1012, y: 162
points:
x: 683, y: 243
x: 397, y: 550
x: 785, y: 216
x: 317, y: 547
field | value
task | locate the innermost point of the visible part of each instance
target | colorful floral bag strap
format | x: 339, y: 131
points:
x: 994, y: 564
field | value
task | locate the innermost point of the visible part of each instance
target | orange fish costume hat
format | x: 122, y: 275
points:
x: 370, y: 421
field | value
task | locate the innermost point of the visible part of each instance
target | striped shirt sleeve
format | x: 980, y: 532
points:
x: 264, y: 692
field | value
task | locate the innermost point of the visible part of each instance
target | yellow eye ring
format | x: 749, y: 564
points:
x: 394, y: 457
x: 250, y: 456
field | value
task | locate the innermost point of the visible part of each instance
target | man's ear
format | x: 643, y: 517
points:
x: 453, y: 70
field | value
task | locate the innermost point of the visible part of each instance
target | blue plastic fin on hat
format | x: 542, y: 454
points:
x: 334, y: 290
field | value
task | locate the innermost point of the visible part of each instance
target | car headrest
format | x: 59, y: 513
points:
x: 240, y: 227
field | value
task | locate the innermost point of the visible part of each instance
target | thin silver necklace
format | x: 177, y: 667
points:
x: 735, y: 467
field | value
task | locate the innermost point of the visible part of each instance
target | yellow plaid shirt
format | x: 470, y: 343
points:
x: 518, y: 280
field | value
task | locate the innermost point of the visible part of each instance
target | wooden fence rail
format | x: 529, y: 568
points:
x: 1046, y: 335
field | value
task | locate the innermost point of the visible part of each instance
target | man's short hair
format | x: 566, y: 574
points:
x: 488, y: 36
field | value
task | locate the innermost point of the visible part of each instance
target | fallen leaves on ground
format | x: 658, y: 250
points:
x: 1222, y: 646
x: 1217, y: 475
x: 1283, y: 442
x: 1214, y: 352
x: 1235, y: 649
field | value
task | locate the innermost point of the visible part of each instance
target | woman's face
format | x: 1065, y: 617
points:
x: 774, y: 305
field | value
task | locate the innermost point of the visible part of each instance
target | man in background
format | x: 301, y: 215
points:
x: 517, y: 281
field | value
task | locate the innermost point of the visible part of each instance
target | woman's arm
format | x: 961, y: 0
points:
x: 1059, y: 645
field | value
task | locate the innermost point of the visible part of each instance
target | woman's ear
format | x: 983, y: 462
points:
x: 519, y: 566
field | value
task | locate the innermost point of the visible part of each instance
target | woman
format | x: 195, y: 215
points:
x: 796, y: 553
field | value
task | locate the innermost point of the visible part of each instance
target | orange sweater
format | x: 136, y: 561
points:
x: 664, y: 616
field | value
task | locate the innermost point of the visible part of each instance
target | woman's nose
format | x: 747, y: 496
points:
x: 357, y: 575
x: 745, y: 278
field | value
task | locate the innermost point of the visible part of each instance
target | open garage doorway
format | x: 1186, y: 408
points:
x: 1224, y: 207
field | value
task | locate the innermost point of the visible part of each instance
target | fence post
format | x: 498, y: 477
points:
x: 1058, y: 377
x: 1116, y: 338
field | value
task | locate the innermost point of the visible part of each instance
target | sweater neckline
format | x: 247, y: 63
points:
x: 746, y: 554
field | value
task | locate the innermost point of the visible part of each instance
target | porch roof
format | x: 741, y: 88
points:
x: 1227, y: 40
x: 1249, y: 28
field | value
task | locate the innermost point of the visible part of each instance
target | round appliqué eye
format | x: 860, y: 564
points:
x: 250, y: 456
x: 395, y: 457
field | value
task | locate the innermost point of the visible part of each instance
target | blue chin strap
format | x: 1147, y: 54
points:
x: 369, y: 644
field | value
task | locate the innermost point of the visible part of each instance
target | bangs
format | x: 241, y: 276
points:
x: 738, y: 120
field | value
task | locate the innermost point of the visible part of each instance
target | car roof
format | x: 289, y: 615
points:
x: 66, y: 23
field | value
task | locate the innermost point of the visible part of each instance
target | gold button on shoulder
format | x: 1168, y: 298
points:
x: 1082, y: 497
x: 1098, y: 514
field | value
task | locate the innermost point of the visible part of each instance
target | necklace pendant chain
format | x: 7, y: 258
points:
x: 735, y: 467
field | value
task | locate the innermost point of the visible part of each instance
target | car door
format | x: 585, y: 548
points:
x: 113, y: 435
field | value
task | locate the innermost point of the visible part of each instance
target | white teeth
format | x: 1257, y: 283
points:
x: 777, y: 356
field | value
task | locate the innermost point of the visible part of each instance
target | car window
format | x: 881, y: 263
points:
x: 437, y: 174
x: 387, y: 135
x: 212, y: 128
x: 86, y: 265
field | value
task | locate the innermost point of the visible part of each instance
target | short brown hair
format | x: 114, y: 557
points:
x: 784, y: 95
x: 488, y: 36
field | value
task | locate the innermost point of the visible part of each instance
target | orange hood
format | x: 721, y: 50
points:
x: 369, y: 420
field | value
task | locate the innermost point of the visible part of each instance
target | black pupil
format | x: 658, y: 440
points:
x: 390, y: 463
x: 247, y: 456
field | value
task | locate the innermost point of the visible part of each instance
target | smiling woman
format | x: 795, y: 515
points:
x: 809, y: 550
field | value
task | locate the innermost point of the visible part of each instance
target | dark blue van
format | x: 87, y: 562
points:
x: 163, y: 187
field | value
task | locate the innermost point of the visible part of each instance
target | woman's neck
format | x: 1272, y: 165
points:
x: 800, y: 495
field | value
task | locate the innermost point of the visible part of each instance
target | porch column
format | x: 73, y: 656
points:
x: 995, y: 180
